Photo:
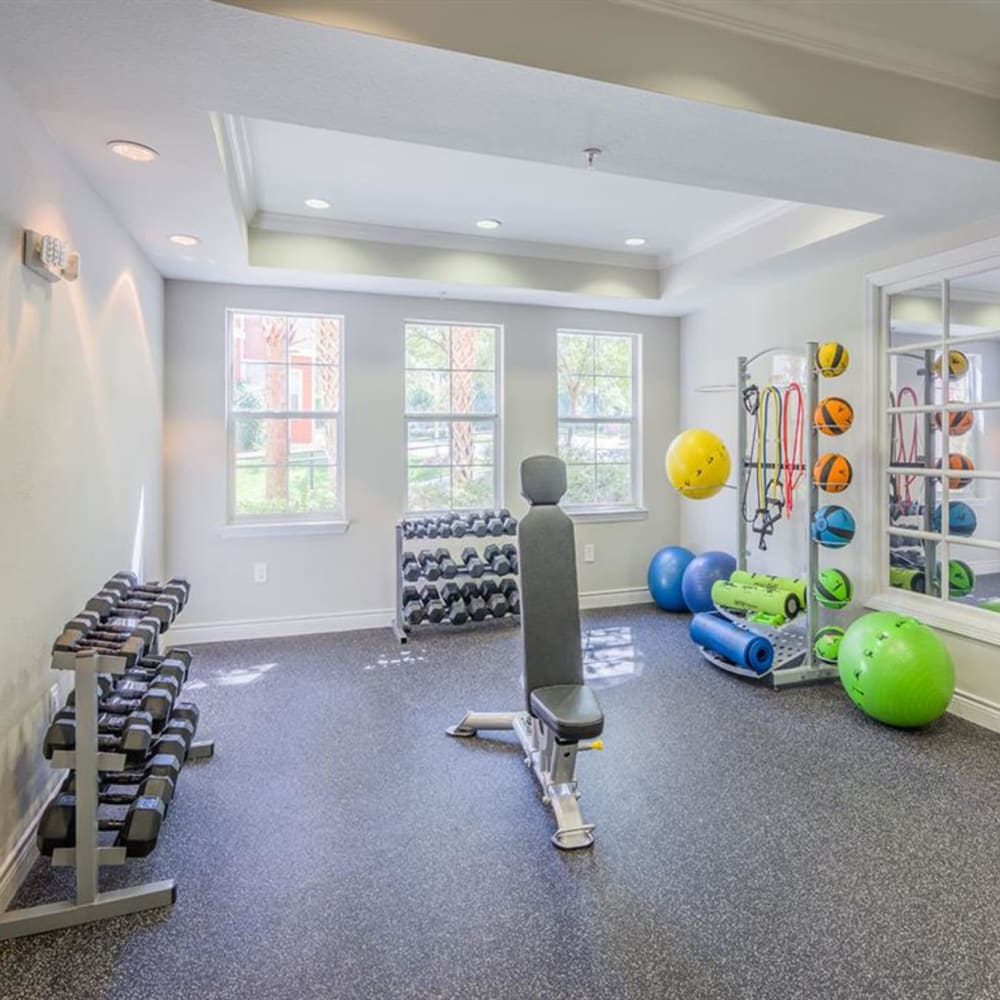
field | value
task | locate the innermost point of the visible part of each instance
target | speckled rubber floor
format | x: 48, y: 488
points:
x: 752, y: 845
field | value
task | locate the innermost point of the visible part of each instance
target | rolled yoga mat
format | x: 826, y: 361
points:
x: 740, y: 646
x: 781, y: 605
x: 796, y: 586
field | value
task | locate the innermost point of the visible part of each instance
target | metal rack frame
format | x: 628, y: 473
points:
x: 88, y: 856
x: 794, y: 662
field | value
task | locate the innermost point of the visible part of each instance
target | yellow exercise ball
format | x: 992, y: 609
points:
x: 697, y: 464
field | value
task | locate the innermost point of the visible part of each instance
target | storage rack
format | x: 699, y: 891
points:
x: 88, y: 855
x: 794, y: 660
x: 400, y: 627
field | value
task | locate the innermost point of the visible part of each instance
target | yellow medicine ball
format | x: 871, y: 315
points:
x: 697, y: 464
x: 832, y: 359
x: 958, y: 364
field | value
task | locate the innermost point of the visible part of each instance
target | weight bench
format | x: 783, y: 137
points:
x: 562, y: 714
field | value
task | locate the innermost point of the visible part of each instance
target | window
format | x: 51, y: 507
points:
x: 941, y: 383
x: 452, y: 416
x: 285, y: 417
x: 598, y: 375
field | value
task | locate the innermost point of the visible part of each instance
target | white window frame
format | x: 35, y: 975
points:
x: 311, y: 522
x: 949, y: 616
x: 476, y: 418
x: 632, y: 509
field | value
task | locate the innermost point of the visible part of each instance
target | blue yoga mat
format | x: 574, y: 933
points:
x: 738, y: 645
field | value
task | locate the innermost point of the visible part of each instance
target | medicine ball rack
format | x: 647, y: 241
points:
x: 439, y: 527
x: 89, y: 763
x: 794, y: 659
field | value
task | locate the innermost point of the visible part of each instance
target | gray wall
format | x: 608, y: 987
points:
x: 80, y: 436
x: 314, y: 579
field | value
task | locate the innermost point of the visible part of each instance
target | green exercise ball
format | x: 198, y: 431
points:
x: 896, y: 669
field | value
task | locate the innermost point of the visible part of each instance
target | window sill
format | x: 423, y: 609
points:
x: 272, y: 529
x: 599, y: 515
x: 958, y: 619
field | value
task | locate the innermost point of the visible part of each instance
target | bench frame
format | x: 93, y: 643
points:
x: 553, y: 763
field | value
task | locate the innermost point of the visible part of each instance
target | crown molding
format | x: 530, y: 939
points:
x: 833, y: 41
x: 287, y: 223
x: 237, y: 161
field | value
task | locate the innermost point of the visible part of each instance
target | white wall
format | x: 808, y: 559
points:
x: 317, y: 578
x: 80, y: 435
x: 828, y: 304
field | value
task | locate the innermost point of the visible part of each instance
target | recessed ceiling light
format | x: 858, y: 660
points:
x: 489, y: 223
x: 317, y: 203
x: 133, y: 150
x: 184, y: 240
x: 636, y: 241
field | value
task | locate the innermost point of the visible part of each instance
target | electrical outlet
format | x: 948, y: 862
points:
x: 260, y: 572
x: 53, y: 701
x: 588, y: 553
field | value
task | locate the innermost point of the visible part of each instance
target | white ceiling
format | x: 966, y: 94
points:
x: 385, y: 182
x: 424, y: 141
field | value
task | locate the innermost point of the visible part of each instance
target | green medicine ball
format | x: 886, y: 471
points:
x: 834, y: 588
x: 896, y: 669
x: 961, y: 578
x: 827, y: 644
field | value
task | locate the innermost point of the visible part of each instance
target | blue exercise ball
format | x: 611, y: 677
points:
x: 701, y: 573
x: 666, y: 573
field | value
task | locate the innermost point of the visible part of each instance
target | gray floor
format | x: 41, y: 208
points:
x: 750, y: 844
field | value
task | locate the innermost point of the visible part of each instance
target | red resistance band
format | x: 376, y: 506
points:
x: 791, y: 458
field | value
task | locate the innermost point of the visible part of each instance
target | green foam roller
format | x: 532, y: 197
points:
x: 907, y: 579
x: 790, y: 583
x: 778, y: 605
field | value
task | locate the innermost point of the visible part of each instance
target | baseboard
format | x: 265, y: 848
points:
x: 273, y: 628
x: 618, y: 598
x: 976, y: 710
x: 350, y: 621
x: 15, y: 868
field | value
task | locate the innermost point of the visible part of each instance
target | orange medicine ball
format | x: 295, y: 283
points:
x: 832, y: 473
x: 833, y: 415
x: 959, y: 421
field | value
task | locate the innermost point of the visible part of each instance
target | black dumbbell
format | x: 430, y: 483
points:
x: 472, y: 563
x: 413, y: 607
x: 131, y: 645
x: 496, y: 603
x: 129, y: 734
x: 177, y: 586
x: 510, y: 590
x: 510, y: 551
x: 429, y: 565
x: 109, y: 603
x: 163, y: 765
x: 444, y: 528
x: 494, y: 558
x: 410, y: 567
x: 474, y: 603
x: 459, y: 527
x: 451, y: 594
x: 137, y: 831
x: 478, y: 527
x: 446, y: 564
x: 433, y: 528
x: 495, y: 526
x: 123, y: 793
x: 128, y: 596
x: 510, y: 525
x: 434, y: 607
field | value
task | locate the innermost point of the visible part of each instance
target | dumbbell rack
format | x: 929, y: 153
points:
x: 88, y: 856
x: 400, y: 627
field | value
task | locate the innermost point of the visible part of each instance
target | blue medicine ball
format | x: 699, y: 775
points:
x: 666, y: 573
x: 833, y: 526
x: 702, y: 572
x: 961, y: 518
